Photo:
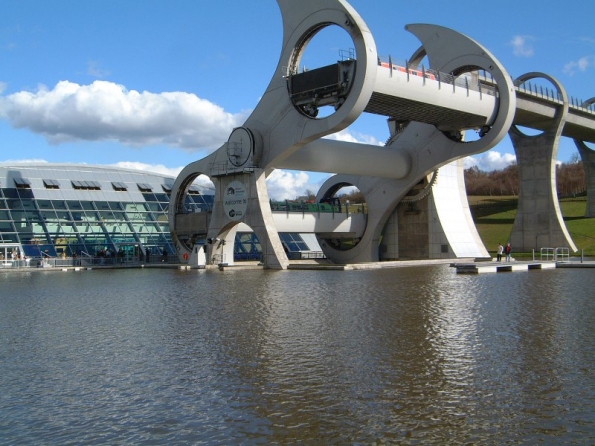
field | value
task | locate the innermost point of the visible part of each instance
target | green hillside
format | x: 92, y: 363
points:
x: 494, y: 217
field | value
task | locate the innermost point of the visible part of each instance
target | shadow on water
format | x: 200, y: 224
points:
x: 414, y: 355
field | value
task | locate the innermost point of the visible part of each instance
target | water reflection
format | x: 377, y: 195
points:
x: 417, y: 355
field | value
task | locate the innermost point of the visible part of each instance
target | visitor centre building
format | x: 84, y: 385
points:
x: 66, y: 210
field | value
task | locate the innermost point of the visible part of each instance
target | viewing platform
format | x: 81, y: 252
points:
x: 549, y: 258
x: 500, y: 267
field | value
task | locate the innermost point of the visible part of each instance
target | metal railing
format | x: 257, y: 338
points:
x: 547, y: 254
x: 562, y: 254
x: 553, y: 95
x: 85, y: 262
x: 483, y: 83
x: 555, y: 254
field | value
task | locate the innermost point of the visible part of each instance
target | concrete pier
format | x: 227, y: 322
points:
x: 497, y: 267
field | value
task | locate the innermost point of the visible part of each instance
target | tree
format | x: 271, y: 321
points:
x: 570, y: 180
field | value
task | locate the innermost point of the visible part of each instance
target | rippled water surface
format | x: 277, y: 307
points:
x: 415, y: 355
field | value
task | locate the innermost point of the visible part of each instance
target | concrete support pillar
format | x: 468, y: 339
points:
x: 588, y: 157
x: 539, y: 222
x: 244, y: 198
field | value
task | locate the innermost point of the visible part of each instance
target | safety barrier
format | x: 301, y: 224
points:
x: 547, y: 254
x: 562, y: 254
x: 70, y: 262
x: 555, y: 254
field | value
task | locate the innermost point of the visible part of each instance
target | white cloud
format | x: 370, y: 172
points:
x: 202, y: 180
x: 285, y: 184
x: 105, y: 111
x: 155, y: 168
x: 583, y: 64
x: 489, y: 161
x: 522, y: 46
x: 3, y: 86
x: 30, y: 160
x: 350, y: 136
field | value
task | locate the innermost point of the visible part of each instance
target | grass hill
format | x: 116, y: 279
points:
x: 494, y: 217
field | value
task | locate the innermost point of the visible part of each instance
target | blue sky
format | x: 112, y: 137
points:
x: 156, y: 85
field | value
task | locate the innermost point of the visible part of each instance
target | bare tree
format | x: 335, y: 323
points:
x: 570, y: 180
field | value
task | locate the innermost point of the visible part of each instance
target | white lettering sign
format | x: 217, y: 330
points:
x: 235, y: 201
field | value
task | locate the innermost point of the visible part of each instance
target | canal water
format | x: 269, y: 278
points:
x: 415, y: 355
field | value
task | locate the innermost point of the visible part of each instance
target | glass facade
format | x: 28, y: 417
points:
x: 66, y: 210
x: 293, y: 242
x: 247, y: 246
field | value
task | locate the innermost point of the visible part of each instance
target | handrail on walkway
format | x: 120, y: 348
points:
x: 82, y: 261
x: 561, y: 254
x: 547, y: 254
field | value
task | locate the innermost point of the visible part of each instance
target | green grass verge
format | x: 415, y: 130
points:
x: 494, y: 218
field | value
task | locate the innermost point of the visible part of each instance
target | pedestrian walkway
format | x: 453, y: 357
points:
x: 497, y: 267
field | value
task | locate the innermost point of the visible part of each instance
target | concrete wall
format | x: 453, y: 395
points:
x: 451, y: 222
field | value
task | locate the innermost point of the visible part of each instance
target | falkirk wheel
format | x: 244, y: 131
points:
x: 284, y: 131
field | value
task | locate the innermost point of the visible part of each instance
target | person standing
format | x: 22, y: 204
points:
x: 499, y: 252
x: 508, y: 251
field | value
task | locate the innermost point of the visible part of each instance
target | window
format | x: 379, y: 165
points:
x: 44, y: 204
x: 166, y: 188
x: 86, y: 185
x: 22, y: 183
x: 155, y: 207
x: 6, y: 226
x: 121, y: 187
x: 51, y: 184
x: 162, y: 198
x: 293, y: 241
x: 74, y: 205
x: 102, y: 205
x: 144, y: 187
